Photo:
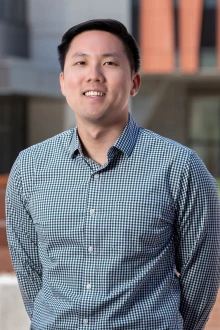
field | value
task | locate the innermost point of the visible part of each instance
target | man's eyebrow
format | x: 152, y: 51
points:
x: 79, y: 54
x: 110, y: 55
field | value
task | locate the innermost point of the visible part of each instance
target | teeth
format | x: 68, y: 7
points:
x: 94, y: 93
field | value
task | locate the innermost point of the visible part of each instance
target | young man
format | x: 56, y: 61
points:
x: 102, y: 219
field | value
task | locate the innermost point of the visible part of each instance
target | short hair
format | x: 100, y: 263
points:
x: 109, y: 25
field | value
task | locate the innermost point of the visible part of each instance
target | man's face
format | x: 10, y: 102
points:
x: 97, y: 80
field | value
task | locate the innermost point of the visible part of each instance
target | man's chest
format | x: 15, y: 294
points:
x: 120, y: 210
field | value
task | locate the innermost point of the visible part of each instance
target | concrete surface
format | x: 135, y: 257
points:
x: 12, y: 312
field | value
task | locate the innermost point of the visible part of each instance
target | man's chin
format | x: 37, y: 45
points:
x: 96, y: 117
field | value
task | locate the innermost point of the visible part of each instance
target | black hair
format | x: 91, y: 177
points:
x: 109, y: 25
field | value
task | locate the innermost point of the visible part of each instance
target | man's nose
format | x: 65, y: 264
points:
x: 95, y: 73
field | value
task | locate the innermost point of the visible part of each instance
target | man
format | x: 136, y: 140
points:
x: 102, y: 219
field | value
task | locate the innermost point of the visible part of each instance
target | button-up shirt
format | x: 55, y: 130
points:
x: 129, y: 245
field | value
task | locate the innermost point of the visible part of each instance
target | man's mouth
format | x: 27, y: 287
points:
x: 94, y: 93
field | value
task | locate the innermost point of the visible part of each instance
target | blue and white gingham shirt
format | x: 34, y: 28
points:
x: 98, y: 247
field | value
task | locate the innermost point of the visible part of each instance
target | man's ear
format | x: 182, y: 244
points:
x: 136, y: 83
x: 62, y: 88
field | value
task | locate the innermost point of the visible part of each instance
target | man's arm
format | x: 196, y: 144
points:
x: 197, y: 243
x: 22, y: 240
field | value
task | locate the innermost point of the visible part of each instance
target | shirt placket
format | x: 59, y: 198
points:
x: 90, y: 225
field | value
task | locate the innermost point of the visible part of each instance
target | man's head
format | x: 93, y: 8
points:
x: 99, y: 63
x: 107, y: 25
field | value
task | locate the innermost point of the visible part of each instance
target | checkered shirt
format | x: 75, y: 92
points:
x: 99, y: 247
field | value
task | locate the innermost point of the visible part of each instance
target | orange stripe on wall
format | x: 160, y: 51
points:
x: 190, y: 27
x: 3, y: 180
x: 157, y: 36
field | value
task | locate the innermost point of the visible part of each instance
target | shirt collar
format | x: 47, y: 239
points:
x: 124, y: 143
x: 75, y: 146
x: 128, y: 137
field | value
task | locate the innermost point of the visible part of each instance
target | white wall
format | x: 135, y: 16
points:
x: 88, y: 9
x: 48, y: 20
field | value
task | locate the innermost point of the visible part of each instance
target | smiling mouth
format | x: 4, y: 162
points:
x: 94, y: 93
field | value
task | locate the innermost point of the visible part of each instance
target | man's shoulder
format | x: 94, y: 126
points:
x: 162, y: 144
x: 51, y: 145
x: 179, y: 160
x: 54, y: 149
x: 49, y: 154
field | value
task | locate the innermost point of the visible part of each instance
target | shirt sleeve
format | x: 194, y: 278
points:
x: 22, y: 240
x: 197, y: 243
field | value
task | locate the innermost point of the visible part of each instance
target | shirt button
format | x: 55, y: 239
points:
x: 92, y: 211
x: 85, y: 321
x: 96, y: 176
x: 88, y: 286
x: 90, y: 249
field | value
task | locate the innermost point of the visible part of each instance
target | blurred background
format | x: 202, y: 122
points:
x: 179, y: 96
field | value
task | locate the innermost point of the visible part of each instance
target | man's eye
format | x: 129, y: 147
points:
x: 109, y: 63
x: 80, y: 63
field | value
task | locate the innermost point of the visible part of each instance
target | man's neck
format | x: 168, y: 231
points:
x: 97, y: 140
